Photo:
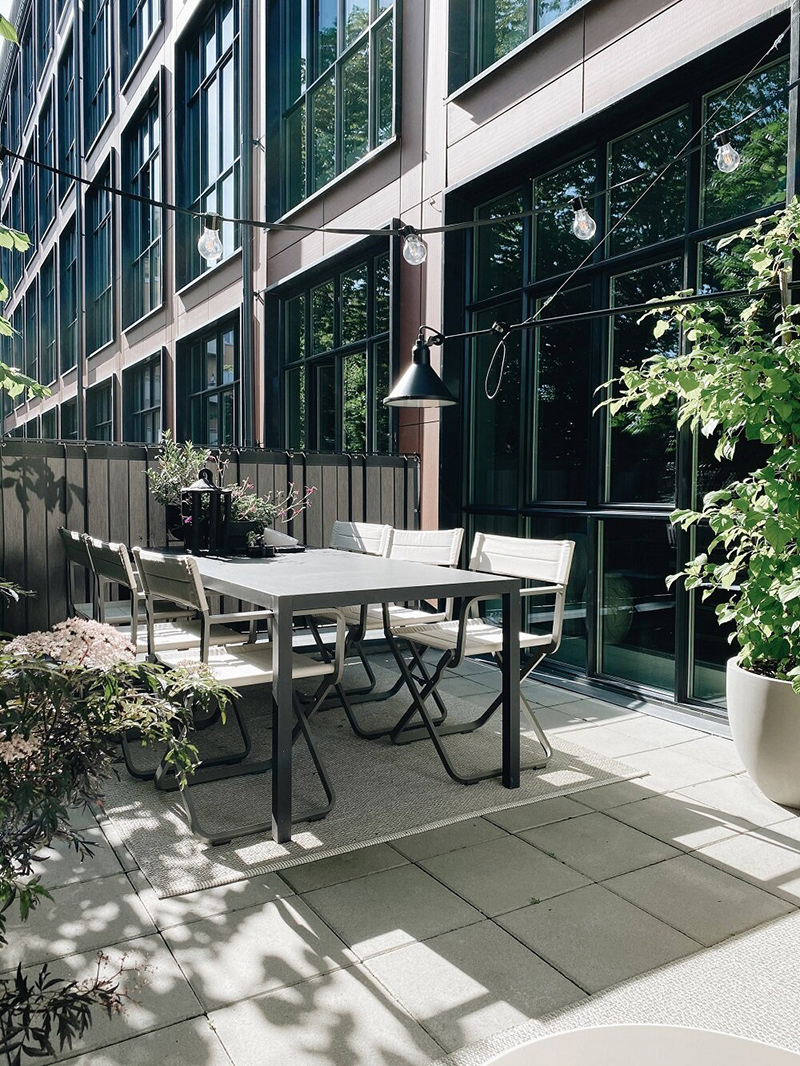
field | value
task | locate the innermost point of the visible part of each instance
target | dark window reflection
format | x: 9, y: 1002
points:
x: 556, y: 250
x: 539, y: 609
x: 563, y: 402
x: 642, y: 443
x: 637, y: 612
x: 498, y: 249
x: 658, y: 216
x: 495, y: 436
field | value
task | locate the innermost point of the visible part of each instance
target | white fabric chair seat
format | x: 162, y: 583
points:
x: 248, y: 664
x: 168, y: 636
x: 482, y: 637
x: 398, y: 615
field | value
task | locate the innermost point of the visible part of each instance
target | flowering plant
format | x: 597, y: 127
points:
x: 66, y: 697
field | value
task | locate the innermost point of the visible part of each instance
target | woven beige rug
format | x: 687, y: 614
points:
x: 384, y: 792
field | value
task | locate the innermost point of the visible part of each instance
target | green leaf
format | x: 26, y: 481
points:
x: 8, y: 31
x: 660, y: 328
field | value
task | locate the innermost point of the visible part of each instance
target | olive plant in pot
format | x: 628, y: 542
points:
x: 737, y: 380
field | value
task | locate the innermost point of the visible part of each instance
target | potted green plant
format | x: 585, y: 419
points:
x: 177, y: 466
x: 738, y: 380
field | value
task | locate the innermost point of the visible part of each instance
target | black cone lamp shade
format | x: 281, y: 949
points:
x: 420, y: 385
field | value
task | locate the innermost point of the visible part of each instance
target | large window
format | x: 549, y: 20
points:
x: 69, y: 420
x: 50, y: 424
x: 208, y: 369
x: 30, y: 336
x: 47, y: 187
x: 337, y: 360
x: 209, y: 139
x: 100, y: 411
x: 141, y: 402
x: 68, y: 296
x: 138, y: 19
x: 44, y: 32
x: 30, y: 205
x: 97, y: 59
x: 339, y: 88
x: 141, y: 222
x: 16, y: 258
x: 99, y: 263
x: 539, y: 459
x: 27, y: 69
x: 483, y: 31
x: 47, y: 299
x: 67, y: 159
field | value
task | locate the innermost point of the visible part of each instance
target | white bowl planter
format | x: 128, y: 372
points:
x: 764, y: 716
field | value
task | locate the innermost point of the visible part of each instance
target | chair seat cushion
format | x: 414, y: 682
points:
x: 247, y: 664
x: 482, y: 637
x: 169, y: 636
x: 399, y: 616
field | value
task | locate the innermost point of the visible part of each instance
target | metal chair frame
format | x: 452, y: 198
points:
x: 491, y: 554
x: 178, y: 579
x: 77, y: 554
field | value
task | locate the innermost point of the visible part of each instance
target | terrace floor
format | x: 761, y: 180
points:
x: 669, y: 898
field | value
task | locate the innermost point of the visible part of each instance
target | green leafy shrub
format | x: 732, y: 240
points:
x: 737, y: 380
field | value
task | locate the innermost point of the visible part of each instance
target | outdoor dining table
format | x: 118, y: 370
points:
x: 304, y: 582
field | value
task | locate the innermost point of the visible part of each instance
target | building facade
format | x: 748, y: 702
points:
x: 361, y: 114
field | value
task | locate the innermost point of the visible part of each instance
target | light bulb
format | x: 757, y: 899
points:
x: 415, y: 250
x: 209, y: 245
x: 727, y: 158
x: 584, y: 226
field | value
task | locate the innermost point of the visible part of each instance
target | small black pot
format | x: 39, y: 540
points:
x: 237, y: 535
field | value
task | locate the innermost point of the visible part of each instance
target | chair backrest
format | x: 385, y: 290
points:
x: 547, y: 561
x: 112, y: 562
x: 171, y: 577
x: 75, y: 547
x: 440, y: 547
x: 364, y: 537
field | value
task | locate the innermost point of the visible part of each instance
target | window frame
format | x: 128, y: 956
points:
x: 127, y: 66
x: 69, y: 407
x: 95, y: 80
x: 93, y: 227
x: 131, y: 211
x: 66, y: 263
x: 186, y: 428
x: 67, y: 105
x: 50, y: 262
x: 131, y: 376
x: 45, y: 153
x: 288, y: 107
x: 194, y: 191
x: 93, y: 396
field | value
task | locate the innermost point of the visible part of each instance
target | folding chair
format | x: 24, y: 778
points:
x: 365, y: 537
x: 177, y: 579
x: 78, y: 556
x: 544, y: 561
x: 437, y: 547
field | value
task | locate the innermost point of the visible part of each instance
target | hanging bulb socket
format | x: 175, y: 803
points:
x: 209, y: 244
x: 727, y: 158
x: 415, y: 250
x: 584, y: 226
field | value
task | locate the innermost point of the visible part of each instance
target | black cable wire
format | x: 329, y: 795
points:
x: 386, y: 231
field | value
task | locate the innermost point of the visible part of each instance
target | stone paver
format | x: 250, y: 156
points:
x: 448, y: 838
x: 706, y: 904
x: 83, y: 916
x: 609, y: 740
x: 679, y: 821
x: 768, y: 858
x: 596, y: 938
x: 604, y: 797
x: 62, y: 865
x: 715, y: 750
x: 503, y: 874
x: 390, y: 908
x: 344, y: 1017
x: 239, y: 954
x: 180, y: 910
x: 517, y: 819
x: 192, y: 1042
x: 472, y: 982
x: 739, y: 798
x: 598, y: 846
x: 680, y: 770
x: 337, y: 868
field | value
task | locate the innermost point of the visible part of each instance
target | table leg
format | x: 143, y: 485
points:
x: 510, y: 670
x: 282, y: 726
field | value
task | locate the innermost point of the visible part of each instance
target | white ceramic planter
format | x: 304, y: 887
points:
x: 764, y: 716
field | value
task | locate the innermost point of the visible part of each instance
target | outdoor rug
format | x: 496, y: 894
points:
x: 383, y: 792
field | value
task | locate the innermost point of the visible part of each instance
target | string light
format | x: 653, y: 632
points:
x: 209, y: 244
x: 415, y: 250
x: 584, y: 226
x: 727, y: 158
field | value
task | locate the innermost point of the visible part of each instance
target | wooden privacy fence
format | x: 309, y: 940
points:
x: 102, y: 489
